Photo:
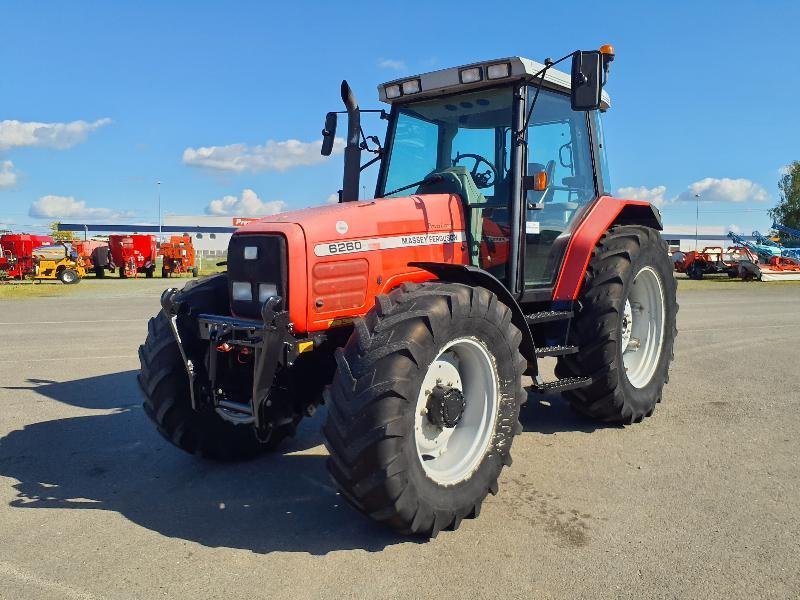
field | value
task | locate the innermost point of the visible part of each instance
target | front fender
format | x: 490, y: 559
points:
x: 475, y: 276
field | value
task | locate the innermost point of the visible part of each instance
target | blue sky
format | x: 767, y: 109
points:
x: 98, y: 101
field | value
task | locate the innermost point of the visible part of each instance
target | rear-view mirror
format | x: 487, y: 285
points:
x: 587, y: 80
x: 328, y: 134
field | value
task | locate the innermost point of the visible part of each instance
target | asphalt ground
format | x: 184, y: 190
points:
x: 700, y: 500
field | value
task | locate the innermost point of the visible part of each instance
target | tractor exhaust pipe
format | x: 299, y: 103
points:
x: 352, y: 151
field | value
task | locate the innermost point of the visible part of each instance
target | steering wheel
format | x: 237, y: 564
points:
x: 482, y: 180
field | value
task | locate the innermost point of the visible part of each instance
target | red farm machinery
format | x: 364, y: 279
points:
x: 492, y: 241
x: 133, y: 254
x: 713, y: 260
x: 178, y: 256
x: 16, y: 253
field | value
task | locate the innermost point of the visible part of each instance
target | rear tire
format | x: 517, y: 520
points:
x: 628, y: 286
x: 99, y: 272
x: 694, y: 272
x: 383, y: 447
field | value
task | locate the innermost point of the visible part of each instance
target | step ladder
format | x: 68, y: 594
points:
x: 564, y: 349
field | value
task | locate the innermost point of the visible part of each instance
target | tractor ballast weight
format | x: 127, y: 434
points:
x: 415, y: 315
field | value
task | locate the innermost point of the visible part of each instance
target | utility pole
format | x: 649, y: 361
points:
x: 696, y: 220
x: 158, y: 187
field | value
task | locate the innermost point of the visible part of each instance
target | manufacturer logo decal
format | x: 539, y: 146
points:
x: 341, y: 227
x: 387, y: 243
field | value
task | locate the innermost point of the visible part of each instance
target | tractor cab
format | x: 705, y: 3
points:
x: 520, y: 143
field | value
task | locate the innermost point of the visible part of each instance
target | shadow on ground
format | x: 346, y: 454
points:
x: 549, y: 413
x: 116, y: 461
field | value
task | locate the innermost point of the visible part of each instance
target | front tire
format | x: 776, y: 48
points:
x: 165, y: 384
x: 424, y: 406
x: 625, y: 329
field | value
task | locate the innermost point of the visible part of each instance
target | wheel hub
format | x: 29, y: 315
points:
x: 445, y: 406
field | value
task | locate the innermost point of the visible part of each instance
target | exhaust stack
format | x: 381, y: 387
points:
x: 352, y: 151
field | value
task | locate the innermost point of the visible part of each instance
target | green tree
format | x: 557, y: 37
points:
x: 61, y: 236
x: 787, y: 212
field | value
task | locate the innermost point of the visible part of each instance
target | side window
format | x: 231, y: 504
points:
x: 414, y: 152
x: 600, y: 151
x: 558, y: 145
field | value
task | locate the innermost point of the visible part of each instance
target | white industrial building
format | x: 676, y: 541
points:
x: 207, y: 243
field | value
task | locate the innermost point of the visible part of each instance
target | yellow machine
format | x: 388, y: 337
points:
x: 57, y: 261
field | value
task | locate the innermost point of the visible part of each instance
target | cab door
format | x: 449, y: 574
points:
x: 559, y: 145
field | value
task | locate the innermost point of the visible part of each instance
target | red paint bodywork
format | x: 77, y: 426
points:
x: 581, y: 245
x: 178, y: 254
x: 133, y: 253
x: 327, y: 290
x: 20, y: 246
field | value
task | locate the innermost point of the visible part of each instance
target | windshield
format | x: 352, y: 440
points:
x: 436, y: 134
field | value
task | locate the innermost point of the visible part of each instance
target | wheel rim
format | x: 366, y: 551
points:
x: 451, y: 454
x: 68, y: 277
x: 642, y: 327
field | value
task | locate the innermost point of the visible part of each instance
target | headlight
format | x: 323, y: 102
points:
x: 250, y: 252
x: 392, y: 91
x: 241, y: 290
x: 412, y: 86
x: 470, y: 75
x: 265, y: 291
x: 498, y: 71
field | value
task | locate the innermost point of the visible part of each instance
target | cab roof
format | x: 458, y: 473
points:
x: 448, y: 81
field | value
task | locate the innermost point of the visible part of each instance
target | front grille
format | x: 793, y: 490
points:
x: 270, y: 266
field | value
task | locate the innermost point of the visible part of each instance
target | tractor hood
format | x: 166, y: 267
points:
x: 418, y: 214
x: 337, y: 258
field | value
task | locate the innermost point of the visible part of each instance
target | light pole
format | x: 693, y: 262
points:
x: 158, y: 187
x: 696, y: 220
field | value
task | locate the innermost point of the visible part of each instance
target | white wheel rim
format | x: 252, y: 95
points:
x: 642, y: 327
x: 452, y: 454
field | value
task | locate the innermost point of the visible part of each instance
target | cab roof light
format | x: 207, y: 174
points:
x: 498, y: 71
x: 392, y: 91
x: 470, y: 75
x: 412, y: 86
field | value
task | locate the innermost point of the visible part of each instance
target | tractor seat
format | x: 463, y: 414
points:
x: 453, y: 180
x: 458, y: 181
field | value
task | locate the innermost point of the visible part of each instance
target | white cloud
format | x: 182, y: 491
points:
x: 332, y: 199
x: 271, y: 156
x: 67, y: 207
x: 248, y: 205
x: 734, y: 228
x: 8, y: 177
x: 48, y: 135
x: 725, y: 190
x: 653, y: 195
x: 392, y: 64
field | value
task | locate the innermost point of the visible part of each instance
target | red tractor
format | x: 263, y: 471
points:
x: 178, y: 256
x: 491, y: 243
x: 16, y: 253
x: 133, y: 254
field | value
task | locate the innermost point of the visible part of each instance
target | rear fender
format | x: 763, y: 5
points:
x: 605, y: 213
x: 475, y: 276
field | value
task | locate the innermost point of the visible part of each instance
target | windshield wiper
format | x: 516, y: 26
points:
x: 429, y: 179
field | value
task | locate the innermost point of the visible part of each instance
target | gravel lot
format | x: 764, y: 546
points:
x: 701, y: 500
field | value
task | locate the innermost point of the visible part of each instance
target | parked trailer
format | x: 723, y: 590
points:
x: 16, y: 250
x: 133, y: 254
x: 96, y: 256
x: 178, y: 256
